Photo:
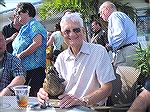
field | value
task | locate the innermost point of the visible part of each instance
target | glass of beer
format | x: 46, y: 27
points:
x: 22, y: 94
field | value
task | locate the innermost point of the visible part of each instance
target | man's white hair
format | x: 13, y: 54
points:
x: 108, y: 4
x: 74, y: 17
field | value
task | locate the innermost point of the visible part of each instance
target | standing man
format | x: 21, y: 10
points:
x: 83, y: 64
x: 10, y: 32
x: 122, y: 34
x: 11, y: 70
x: 99, y: 35
x: 30, y: 46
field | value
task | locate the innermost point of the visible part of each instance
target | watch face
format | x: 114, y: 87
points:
x: 147, y: 85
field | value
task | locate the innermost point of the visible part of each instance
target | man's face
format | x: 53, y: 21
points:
x: 22, y: 16
x: 16, y: 20
x: 95, y: 27
x: 72, y: 33
x: 2, y: 45
x: 104, y: 13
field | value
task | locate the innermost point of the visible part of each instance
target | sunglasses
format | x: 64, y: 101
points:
x: 19, y: 11
x: 75, y: 30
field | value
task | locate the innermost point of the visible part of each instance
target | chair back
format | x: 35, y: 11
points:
x: 124, y: 87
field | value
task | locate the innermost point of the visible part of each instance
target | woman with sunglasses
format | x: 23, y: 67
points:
x: 30, y: 46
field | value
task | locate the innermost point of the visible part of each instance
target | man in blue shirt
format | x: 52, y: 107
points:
x: 122, y: 34
x: 122, y: 37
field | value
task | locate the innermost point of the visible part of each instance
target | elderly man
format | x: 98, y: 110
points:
x: 86, y: 67
x: 11, y: 70
x: 122, y: 34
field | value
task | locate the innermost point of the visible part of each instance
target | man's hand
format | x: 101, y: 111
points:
x: 21, y: 56
x: 5, y: 92
x: 42, y: 96
x: 69, y: 101
x: 108, y: 48
x: 10, y: 39
x: 14, y: 36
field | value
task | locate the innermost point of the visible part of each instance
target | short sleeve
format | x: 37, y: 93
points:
x: 104, y: 70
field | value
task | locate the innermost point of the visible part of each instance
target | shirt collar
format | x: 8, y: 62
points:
x: 32, y: 19
x: 85, y: 49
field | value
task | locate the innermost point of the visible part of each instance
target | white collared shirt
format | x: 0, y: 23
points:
x: 86, y: 72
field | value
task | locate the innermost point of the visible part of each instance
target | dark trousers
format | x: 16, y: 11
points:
x: 37, y: 77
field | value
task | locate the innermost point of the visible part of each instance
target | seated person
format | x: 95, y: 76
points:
x: 11, y: 70
x: 142, y: 102
x: 86, y: 68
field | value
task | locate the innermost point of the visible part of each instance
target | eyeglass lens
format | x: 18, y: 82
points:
x: 75, y: 30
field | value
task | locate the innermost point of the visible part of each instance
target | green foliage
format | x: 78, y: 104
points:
x: 50, y: 7
x: 143, y: 60
x: 126, y: 8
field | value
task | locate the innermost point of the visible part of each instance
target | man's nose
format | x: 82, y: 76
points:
x: 72, y: 33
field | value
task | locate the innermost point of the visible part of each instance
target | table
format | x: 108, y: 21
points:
x: 9, y: 104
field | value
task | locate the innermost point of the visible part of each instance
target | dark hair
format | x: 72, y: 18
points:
x: 27, y: 7
x: 57, y: 27
x: 97, y: 23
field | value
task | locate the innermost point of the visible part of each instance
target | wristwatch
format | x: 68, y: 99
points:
x: 11, y: 90
x: 86, y: 101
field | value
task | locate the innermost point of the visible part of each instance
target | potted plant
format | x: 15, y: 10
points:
x: 143, y: 63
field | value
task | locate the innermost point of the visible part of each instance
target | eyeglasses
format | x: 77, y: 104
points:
x: 75, y: 30
x: 17, y: 12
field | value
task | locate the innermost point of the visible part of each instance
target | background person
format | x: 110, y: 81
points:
x: 81, y: 64
x: 10, y: 32
x: 122, y: 37
x: 49, y: 33
x: 11, y: 69
x: 99, y: 35
x: 56, y: 40
x: 122, y: 34
x: 30, y: 46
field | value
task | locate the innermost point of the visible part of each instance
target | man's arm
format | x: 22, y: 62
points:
x: 98, y: 95
x: 68, y: 100
x: 50, y: 41
x: 10, y: 39
x: 141, y: 103
x: 37, y: 41
x: 18, y: 80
